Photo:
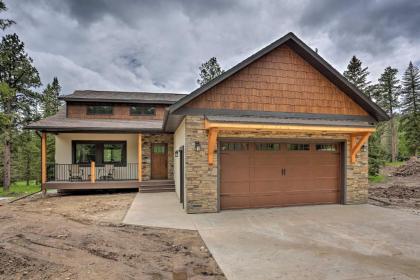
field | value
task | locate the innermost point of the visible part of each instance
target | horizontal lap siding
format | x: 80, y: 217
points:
x: 120, y: 111
x: 281, y: 81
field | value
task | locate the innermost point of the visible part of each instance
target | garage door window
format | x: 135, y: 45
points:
x: 234, y: 146
x: 298, y: 147
x: 267, y: 146
x: 326, y: 147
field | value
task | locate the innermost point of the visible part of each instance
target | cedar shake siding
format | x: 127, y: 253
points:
x: 280, y: 81
x: 120, y: 112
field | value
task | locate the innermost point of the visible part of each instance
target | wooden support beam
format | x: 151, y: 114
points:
x: 92, y: 172
x: 139, y: 157
x: 357, y: 145
x: 212, y: 144
x: 44, y: 162
x: 286, y: 128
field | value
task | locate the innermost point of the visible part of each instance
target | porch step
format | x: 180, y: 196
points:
x: 154, y: 186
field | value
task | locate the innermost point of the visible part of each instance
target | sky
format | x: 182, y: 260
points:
x: 156, y: 45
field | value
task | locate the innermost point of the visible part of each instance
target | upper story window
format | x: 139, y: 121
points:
x: 142, y: 110
x: 99, y: 109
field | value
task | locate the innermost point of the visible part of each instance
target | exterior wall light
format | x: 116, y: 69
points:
x: 197, y: 146
x: 176, y: 153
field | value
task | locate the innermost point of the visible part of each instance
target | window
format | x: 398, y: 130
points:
x: 326, y: 147
x: 85, y: 153
x: 142, y: 110
x: 159, y: 149
x: 234, y: 146
x: 298, y: 147
x: 99, y: 109
x: 113, y: 153
x: 267, y: 146
x: 102, y: 152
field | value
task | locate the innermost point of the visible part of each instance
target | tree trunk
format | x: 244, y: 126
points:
x: 28, y: 170
x: 393, y: 140
x: 6, y: 166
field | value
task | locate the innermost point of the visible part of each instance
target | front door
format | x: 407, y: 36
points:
x: 159, y: 161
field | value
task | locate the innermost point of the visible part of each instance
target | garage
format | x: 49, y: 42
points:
x: 269, y: 174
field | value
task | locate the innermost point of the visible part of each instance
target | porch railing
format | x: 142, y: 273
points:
x: 63, y: 172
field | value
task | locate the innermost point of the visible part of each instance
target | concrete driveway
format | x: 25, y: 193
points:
x: 309, y: 242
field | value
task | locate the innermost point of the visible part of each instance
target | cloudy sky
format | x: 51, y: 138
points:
x: 156, y: 45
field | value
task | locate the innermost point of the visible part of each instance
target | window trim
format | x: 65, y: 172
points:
x: 98, y: 105
x: 278, y: 145
x: 323, y: 151
x: 288, y: 145
x: 99, y: 152
x: 143, y: 106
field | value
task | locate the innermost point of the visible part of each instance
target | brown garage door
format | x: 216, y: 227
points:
x: 278, y: 174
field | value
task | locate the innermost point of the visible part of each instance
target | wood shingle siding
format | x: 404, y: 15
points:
x: 280, y: 81
x: 120, y: 111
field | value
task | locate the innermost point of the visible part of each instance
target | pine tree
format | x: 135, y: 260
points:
x: 411, y: 107
x: 4, y: 23
x: 50, y: 101
x: 388, y: 93
x: 50, y: 106
x: 208, y: 71
x: 357, y: 75
x: 18, y: 78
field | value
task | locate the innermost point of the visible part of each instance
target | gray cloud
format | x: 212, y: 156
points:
x: 158, y: 45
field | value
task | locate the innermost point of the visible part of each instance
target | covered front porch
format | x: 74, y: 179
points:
x: 107, y: 161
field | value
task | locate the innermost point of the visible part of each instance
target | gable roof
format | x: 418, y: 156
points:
x: 122, y: 97
x: 312, y: 58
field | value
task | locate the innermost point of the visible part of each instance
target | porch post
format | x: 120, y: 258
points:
x: 139, y: 157
x: 92, y: 172
x: 44, y: 163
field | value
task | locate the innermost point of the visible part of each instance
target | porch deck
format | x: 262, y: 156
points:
x: 87, y: 185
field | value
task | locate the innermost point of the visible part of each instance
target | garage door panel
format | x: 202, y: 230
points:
x: 234, y: 202
x: 235, y: 187
x: 254, y: 178
x: 324, y: 171
x: 266, y: 186
x: 265, y: 172
x: 269, y: 158
x: 240, y: 173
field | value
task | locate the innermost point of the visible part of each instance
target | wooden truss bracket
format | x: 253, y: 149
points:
x: 212, y: 144
x: 355, y: 145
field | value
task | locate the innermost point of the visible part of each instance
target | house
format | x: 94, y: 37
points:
x: 282, y: 127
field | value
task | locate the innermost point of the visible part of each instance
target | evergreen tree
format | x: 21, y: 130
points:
x: 50, y: 101
x: 50, y: 106
x: 18, y: 77
x: 4, y: 23
x: 208, y: 71
x: 388, y: 93
x: 411, y: 107
x: 357, y: 75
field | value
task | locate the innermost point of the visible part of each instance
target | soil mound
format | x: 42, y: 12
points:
x: 411, y: 167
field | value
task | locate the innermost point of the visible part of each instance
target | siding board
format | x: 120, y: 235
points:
x: 279, y: 81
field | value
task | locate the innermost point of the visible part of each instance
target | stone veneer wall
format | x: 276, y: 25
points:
x: 147, y: 140
x: 201, y: 179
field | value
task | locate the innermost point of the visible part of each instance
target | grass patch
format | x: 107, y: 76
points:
x: 395, y: 163
x: 20, y: 188
x: 376, y: 178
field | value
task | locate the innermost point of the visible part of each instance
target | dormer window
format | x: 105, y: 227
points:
x: 99, y: 109
x: 142, y: 110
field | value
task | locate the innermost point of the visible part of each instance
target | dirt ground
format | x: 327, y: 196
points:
x: 81, y: 237
x: 401, y: 192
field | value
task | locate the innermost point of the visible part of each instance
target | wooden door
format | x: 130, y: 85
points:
x: 159, y: 161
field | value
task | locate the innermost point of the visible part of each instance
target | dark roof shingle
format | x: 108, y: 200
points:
x: 123, y: 96
x: 60, y: 123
